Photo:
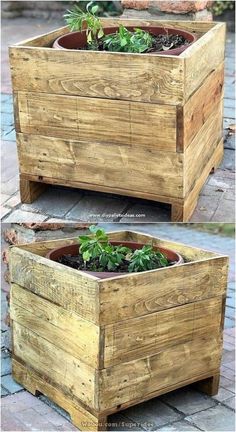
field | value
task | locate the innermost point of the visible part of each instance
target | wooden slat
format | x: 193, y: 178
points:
x: 201, y: 149
x: 34, y: 382
x: 93, y: 120
x: 190, y: 201
x: 147, y: 335
x: 189, y: 253
x: 134, y: 77
x: 47, y: 39
x: 203, y: 57
x: 136, y: 379
x: 64, y: 286
x: 68, y: 373
x: 202, y: 104
x: 58, y: 326
x: 140, y: 170
x: 136, y: 295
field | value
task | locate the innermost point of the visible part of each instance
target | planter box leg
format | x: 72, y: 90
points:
x: 177, y: 213
x: 36, y: 384
x: 30, y: 190
x: 210, y: 386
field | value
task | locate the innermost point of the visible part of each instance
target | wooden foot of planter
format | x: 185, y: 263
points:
x: 134, y: 133
x: 210, y: 386
x: 97, y: 346
x: 30, y: 190
x: 35, y: 384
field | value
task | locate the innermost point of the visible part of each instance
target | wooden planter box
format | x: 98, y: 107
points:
x: 99, y: 346
x: 147, y: 126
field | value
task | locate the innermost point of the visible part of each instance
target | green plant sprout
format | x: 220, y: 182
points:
x: 123, y: 40
x: 76, y: 18
x: 104, y: 256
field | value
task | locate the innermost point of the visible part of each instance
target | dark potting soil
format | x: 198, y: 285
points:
x: 160, y: 41
x: 76, y: 262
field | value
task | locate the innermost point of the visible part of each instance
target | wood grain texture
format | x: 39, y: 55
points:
x: 203, y: 57
x: 200, y: 151
x: 107, y: 166
x: 94, y: 120
x: 202, y: 104
x: 35, y: 382
x: 147, y: 335
x: 64, y: 286
x: 134, y: 379
x: 134, y: 77
x: 137, y: 295
x: 30, y: 190
x: 190, y: 200
x: 59, y: 367
x: 209, y: 386
x: 64, y: 329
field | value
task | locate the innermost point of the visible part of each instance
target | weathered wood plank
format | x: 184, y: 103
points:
x: 47, y: 39
x: 94, y: 120
x: 135, y: 169
x: 64, y: 329
x: 136, y: 295
x: 64, y: 286
x: 134, y: 77
x: 34, y: 382
x: 68, y: 373
x: 203, y: 57
x: 150, y: 334
x: 132, y: 380
x: 30, y: 190
x: 201, y: 149
x: 190, y: 201
x: 202, y: 104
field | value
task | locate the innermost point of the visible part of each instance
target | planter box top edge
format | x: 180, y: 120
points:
x: 44, y: 41
x: 38, y: 251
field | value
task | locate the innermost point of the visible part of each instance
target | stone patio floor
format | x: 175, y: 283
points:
x: 182, y: 410
x: 216, y: 201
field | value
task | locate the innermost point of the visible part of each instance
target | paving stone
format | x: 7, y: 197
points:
x: 220, y: 180
x: 10, y: 423
x: 11, y: 186
x: 92, y: 208
x: 228, y: 373
x: 4, y: 211
x: 228, y: 160
x: 4, y: 392
x: 226, y: 383
x: 229, y: 112
x: 13, y: 201
x: 7, y: 119
x: 180, y: 426
x: 118, y: 422
x: 35, y: 421
x: 5, y: 366
x: 230, y: 402
x: 54, y: 201
x: 230, y: 194
x: 152, y: 414
x: 4, y: 198
x: 218, y: 418
x: 228, y: 323
x: 11, y: 385
x: 229, y: 312
x: 188, y: 401
x: 226, y: 207
x: 229, y: 103
x: 223, y: 394
x: 147, y: 212
x: 19, y: 216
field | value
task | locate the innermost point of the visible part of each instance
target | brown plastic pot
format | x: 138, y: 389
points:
x: 57, y: 253
x: 78, y: 40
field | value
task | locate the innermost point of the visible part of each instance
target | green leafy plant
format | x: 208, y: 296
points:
x: 76, y: 18
x: 219, y: 7
x: 102, y: 255
x: 147, y: 259
x: 126, y: 41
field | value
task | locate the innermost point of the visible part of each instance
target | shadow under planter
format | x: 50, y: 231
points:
x: 141, y: 125
x: 97, y: 346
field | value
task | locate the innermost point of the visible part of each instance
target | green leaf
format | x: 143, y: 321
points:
x: 86, y: 256
x: 100, y: 33
x: 94, y: 9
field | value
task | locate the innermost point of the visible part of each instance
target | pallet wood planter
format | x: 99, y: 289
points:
x: 141, y: 125
x: 99, y: 346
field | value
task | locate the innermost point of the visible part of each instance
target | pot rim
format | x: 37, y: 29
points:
x: 172, y: 51
x: 106, y: 275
